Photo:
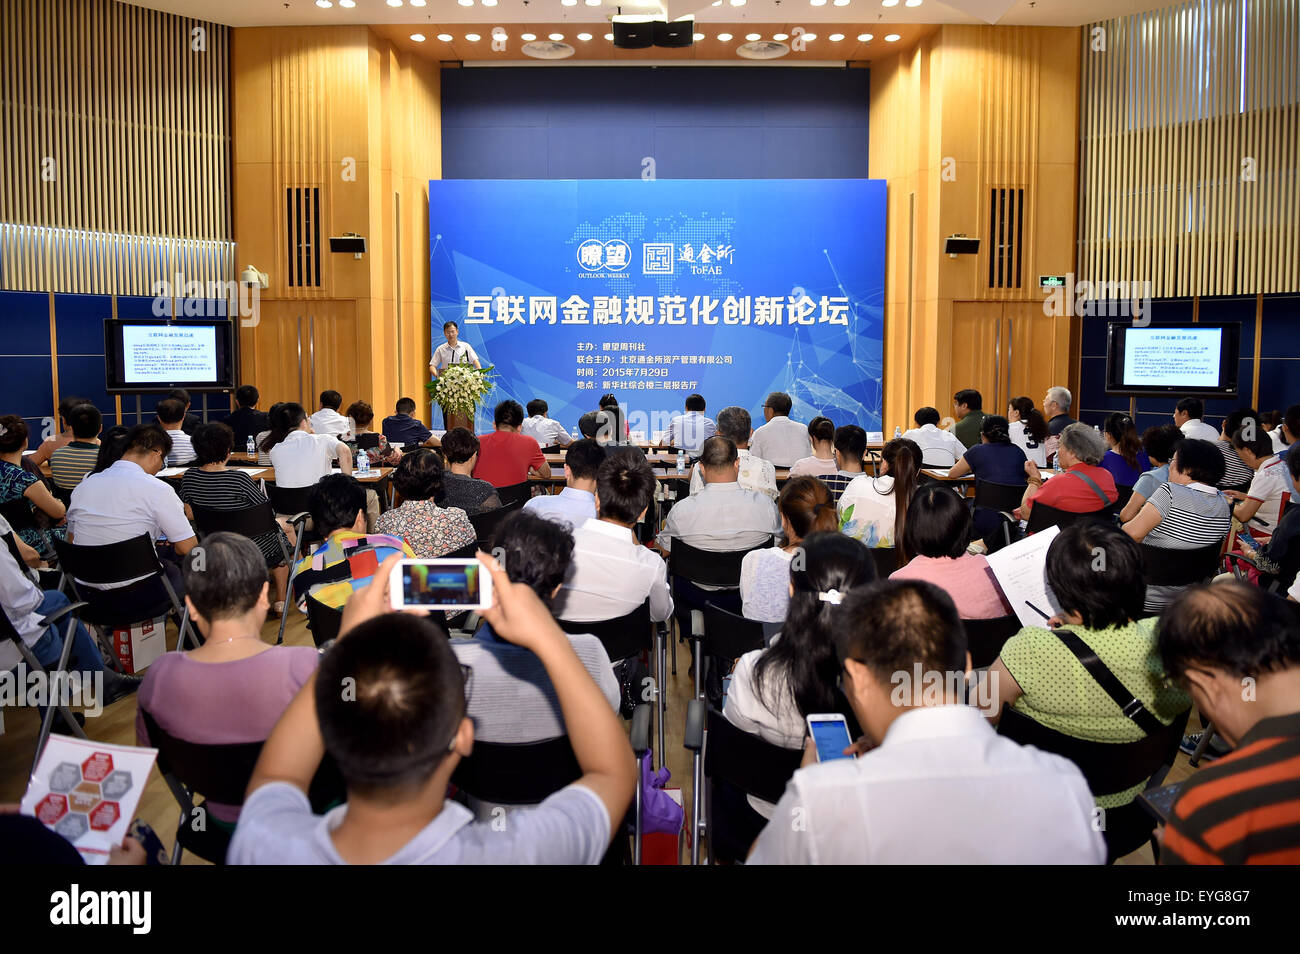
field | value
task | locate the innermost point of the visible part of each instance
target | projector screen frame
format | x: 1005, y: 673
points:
x: 227, y: 356
x: 1229, y: 361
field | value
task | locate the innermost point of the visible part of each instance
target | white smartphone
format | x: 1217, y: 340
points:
x: 830, y: 733
x: 445, y: 584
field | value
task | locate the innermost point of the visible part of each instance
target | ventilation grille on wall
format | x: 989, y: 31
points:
x: 302, y: 218
x: 1006, y: 232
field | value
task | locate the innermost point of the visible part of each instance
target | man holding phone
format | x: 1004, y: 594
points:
x: 940, y: 786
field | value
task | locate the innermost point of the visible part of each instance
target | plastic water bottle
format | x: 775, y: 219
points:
x: 577, y: 434
x: 363, y: 464
x: 252, y: 446
x: 681, y: 462
x: 898, y: 432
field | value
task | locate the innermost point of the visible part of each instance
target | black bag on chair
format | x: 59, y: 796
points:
x: 631, y: 674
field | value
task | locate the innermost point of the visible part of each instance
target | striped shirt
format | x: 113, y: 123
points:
x: 231, y: 490
x: 73, y: 461
x: 182, y: 449
x: 837, y: 481
x: 1191, y: 516
x: 1245, y: 807
x: 1235, y: 471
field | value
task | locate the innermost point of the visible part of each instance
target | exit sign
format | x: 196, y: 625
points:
x: 1051, y: 281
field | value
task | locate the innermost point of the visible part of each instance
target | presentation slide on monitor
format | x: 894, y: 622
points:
x: 1175, y: 357
x: 154, y: 354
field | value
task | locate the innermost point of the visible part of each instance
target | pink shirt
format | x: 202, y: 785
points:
x: 967, y: 579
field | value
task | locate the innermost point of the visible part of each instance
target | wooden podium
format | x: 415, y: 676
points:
x: 459, y: 419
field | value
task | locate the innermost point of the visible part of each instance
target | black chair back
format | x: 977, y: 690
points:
x: 111, y: 562
x: 515, y: 494
x: 1042, y: 516
x: 486, y: 523
x: 218, y: 772
x: 467, y: 552
x: 521, y: 774
x: 730, y: 635
x: 18, y: 512
x: 1125, y: 493
x: 754, y: 766
x: 324, y: 621
x: 368, y: 441
x: 986, y: 637
x: 11, y: 541
x: 709, y: 567
x: 622, y: 636
x: 1004, y: 498
x: 552, y: 449
x: 885, y: 559
x: 1163, y: 566
x: 246, y: 521
x: 288, y: 500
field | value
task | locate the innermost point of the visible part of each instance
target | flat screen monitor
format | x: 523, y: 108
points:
x: 144, y: 355
x: 1189, y: 360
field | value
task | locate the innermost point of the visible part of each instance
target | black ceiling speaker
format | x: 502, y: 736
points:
x: 633, y: 36
x: 678, y: 33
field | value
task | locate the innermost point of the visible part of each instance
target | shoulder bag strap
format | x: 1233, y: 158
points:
x: 1128, y: 703
x: 1105, y: 501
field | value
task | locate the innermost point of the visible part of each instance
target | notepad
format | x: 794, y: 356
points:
x: 172, y: 471
x: 1021, y: 571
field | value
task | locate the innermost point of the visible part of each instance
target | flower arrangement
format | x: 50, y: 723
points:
x: 461, y: 388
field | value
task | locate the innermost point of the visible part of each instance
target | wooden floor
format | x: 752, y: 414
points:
x: 159, y: 808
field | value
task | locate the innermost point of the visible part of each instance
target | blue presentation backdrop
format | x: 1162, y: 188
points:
x: 651, y: 290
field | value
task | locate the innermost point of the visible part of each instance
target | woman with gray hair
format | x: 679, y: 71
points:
x: 1082, y: 486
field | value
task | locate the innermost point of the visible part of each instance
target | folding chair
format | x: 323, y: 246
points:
x: 1163, y: 566
x: 1109, y: 767
x: 247, y: 522
x: 1125, y: 492
x: 722, y: 752
x: 487, y: 522
x: 220, y: 773
x: 515, y: 494
x: 89, y: 568
x: 720, y: 633
x: 53, y: 676
x: 528, y: 773
x: 1003, y: 499
x: 986, y: 637
x: 1042, y: 516
x: 468, y: 552
x: 368, y: 441
x: 885, y: 559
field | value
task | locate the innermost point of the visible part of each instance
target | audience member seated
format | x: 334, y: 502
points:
x: 511, y: 700
x: 429, y: 530
x: 1101, y: 600
x: 299, y: 455
x: 1056, y: 408
x: 246, y: 420
x: 507, y: 457
x: 397, y: 741
x: 898, y: 803
x: 189, y: 421
x: 348, y: 558
x: 773, y: 690
x: 936, y: 536
x: 689, y: 431
x: 939, y: 448
x: 111, y: 446
x: 1242, y: 809
x: 259, y: 439
x: 806, y: 507
x: 1277, y: 559
x: 756, y: 473
x: 328, y: 420
x: 1287, y: 432
x: 401, y: 428
x: 1028, y: 429
x: 171, y: 418
x: 781, y: 441
x: 576, y: 503
x: 600, y: 426
x: 1158, y: 442
x: 996, y: 459
x: 360, y: 416
x: 968, y: 406
x: 1187, y: 415
x: 1083, y: 485
x: 821, y: 433
x: 19, y: 484
x: 612, y: 574
x: 234, y: 687
x: 874, y: 509
x: 126, y: 500
x: 1237, y: 475
x: 64, y: 437
x: 1187, y: 513
x: 850, y: 448
x: 1124, y: 458
x: 210, y: 483
x: 460, y: 488
x: 26, y: 604
x: 1271, y: 488
x: 74, y: 460
x: 545, y: 430
x: 616, y: 416
x: 724, y: 515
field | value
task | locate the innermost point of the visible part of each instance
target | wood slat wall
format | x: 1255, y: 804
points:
x: 114, y: 124
x: 1190, y: 154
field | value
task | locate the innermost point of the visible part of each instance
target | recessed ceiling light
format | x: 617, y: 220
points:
x: 593, y: 3
x: 489, y: 3
x: 348, y: 3
x: 865, y: 38
x: 414, y: 3
x: 724, y: 37
x: 841, y: 3
x: 557, y: 37
x: 698, y: 37
x: 569, y: 3
x: 528, y: 37
x: 818, y: 3
x: 609, y: 36
x: 417, y: 37
x: 810, y: 36
x: 584, y: 37
x: 737, y: 3
x: 891, y: 38
x: 911, y: 3
x: 472, y: 37
x: 836, y: 37
x: 780, y: 36
x: 463, y: 3
x: 394, y: 3
x: 751, y: 37
x: 445, y: 37
x: 324, y: 4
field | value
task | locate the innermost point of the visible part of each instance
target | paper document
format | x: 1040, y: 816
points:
x: 172, y: 471
x: 1021, y: 571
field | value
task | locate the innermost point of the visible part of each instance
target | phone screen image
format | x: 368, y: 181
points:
x: 831, y: 739
x: 425, y: 585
